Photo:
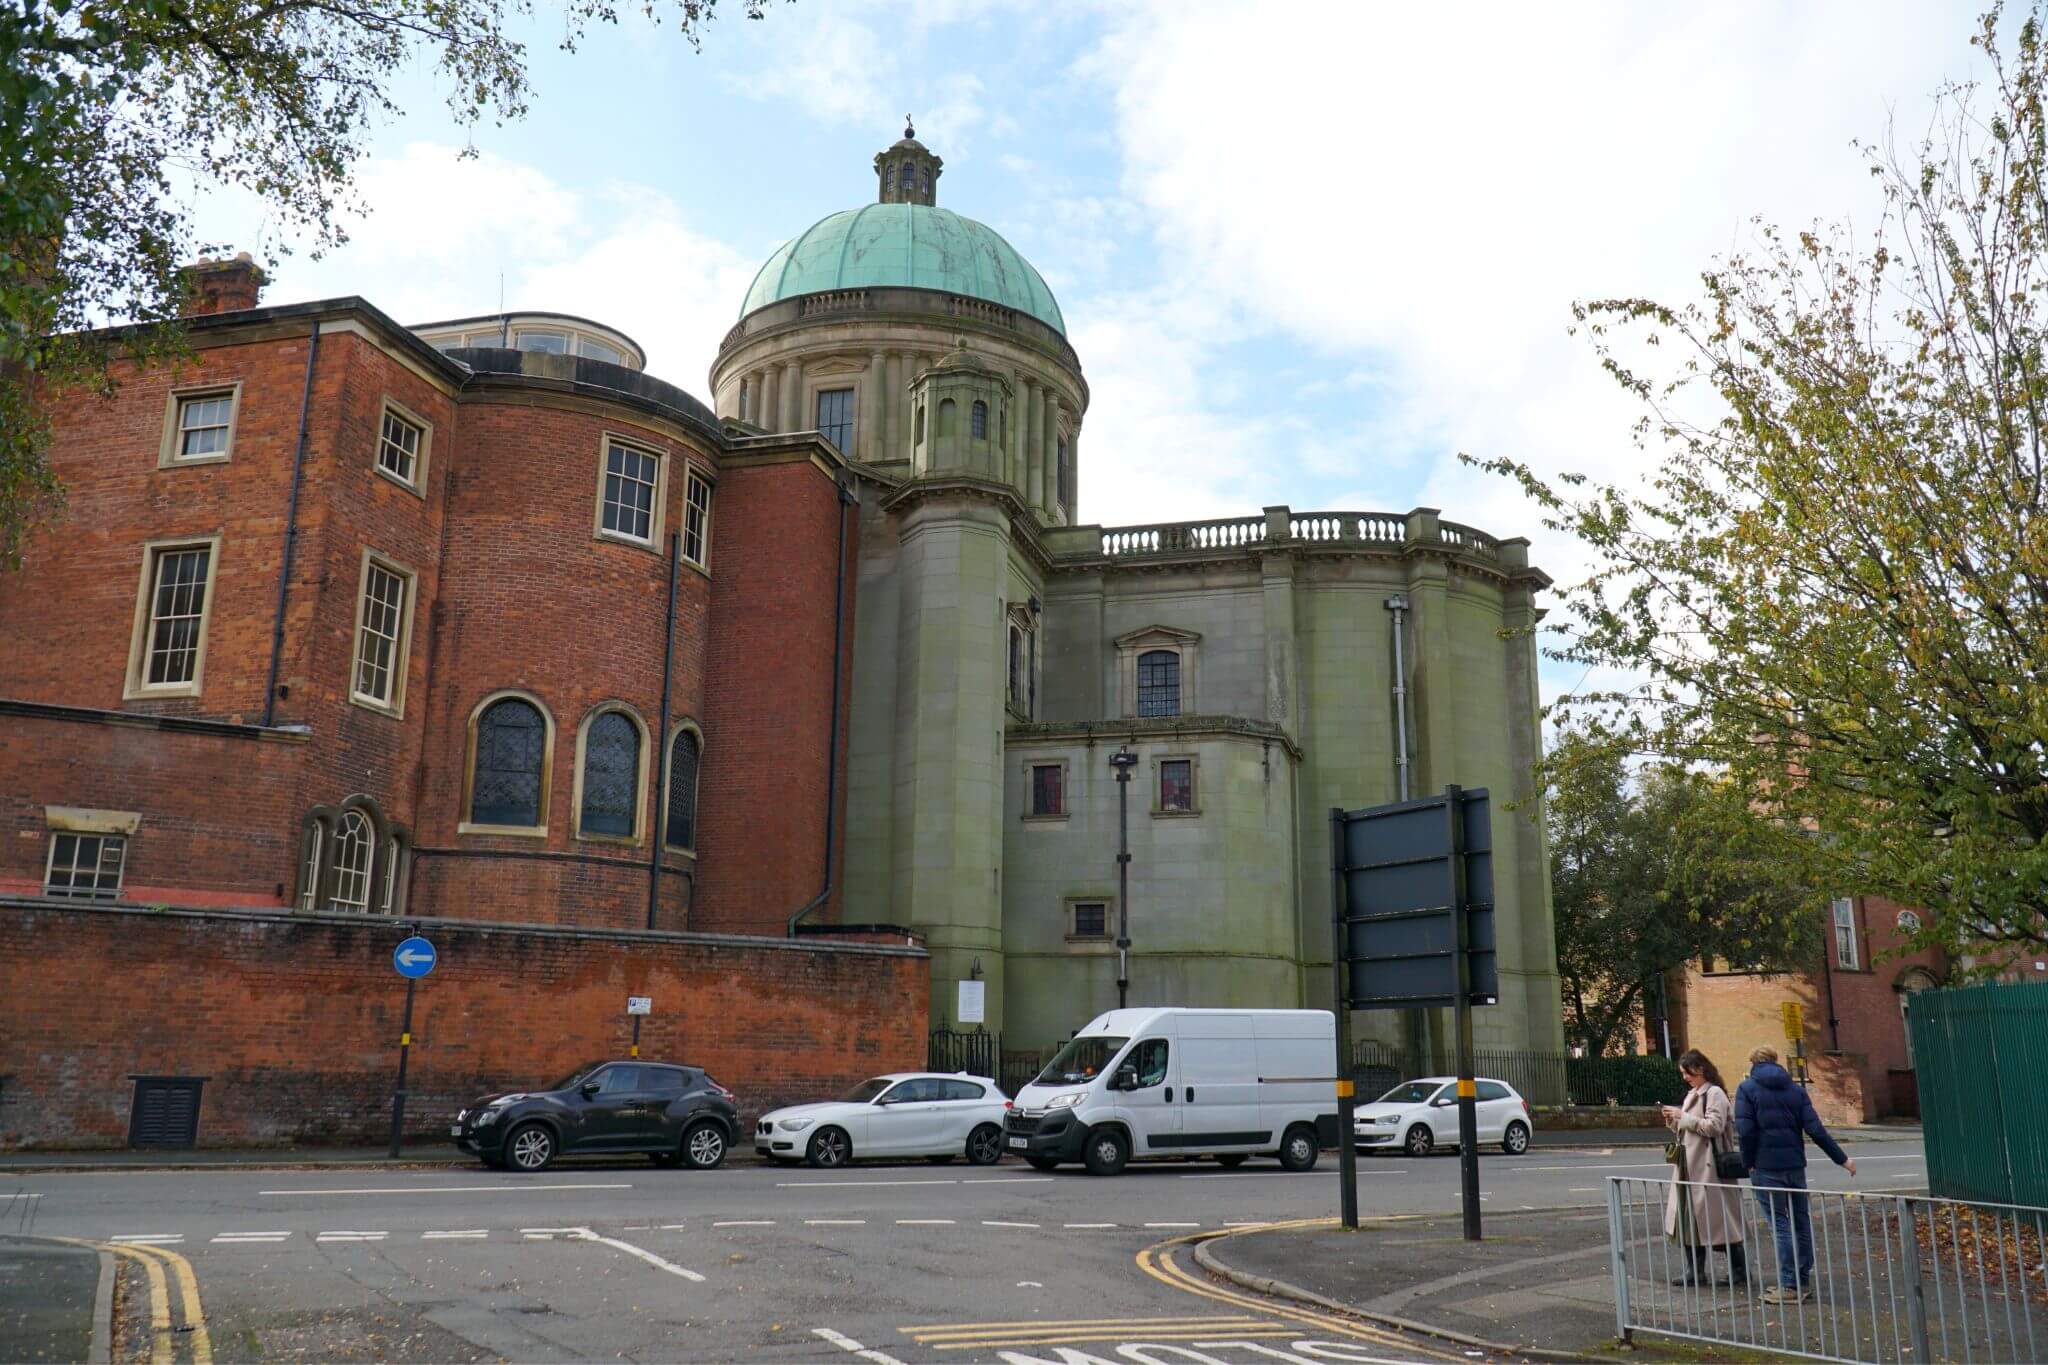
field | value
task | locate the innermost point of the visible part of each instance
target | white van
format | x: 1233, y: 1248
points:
x: 1140, y: 1083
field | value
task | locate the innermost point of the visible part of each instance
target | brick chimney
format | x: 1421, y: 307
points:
x: 222, y: 286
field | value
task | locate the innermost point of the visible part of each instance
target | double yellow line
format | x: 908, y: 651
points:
x: 163, y: 1331
x: 1012, y: 1335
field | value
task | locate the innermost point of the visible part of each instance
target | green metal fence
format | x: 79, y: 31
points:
x: 1981, y: 1053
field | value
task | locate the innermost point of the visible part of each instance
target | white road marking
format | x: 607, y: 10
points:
x: 872, y: 1184
x: 586, y: 1235
x: 540, y: 1236
x: 747, y: 1223
x: 1090, y: 1225
x: 1173, y: 1225
x: 1269, y: 1175
x: 446, y: 1189
x: 149, y: 1239
x: 234, y: 1237
x: 351, y: 1237
x: 1582, y: 1189
x: 987, y: 1223
x: 847, y: 1343
x: 834, y: 1222
x: 673, y: 1227
x: 465, y: 1234
x: 924, y: 1222
x: 1029, y: 1284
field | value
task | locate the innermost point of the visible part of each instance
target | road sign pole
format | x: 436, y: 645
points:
x: 636, y: 1036
x: 1347, y: 1104
x: 404, y: 1052
x: 1468, y: 1090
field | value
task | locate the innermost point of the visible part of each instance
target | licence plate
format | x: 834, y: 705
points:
x: 1019, y: 1143
x: 454, y: 1130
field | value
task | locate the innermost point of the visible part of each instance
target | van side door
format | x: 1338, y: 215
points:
x: 1152, y: 1110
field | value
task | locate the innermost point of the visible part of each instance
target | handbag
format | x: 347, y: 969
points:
x: 1728, y: 1163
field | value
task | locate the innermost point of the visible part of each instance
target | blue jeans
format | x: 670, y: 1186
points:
x: 1783, y: 1196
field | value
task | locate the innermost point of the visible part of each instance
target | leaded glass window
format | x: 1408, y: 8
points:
x: 1048, y: 789
x: 1159, y: 683
x: 629, y: 481
x: 977, y: 420
x: 1176, y: 784
x: 611, y: 775
x: 682, y: 790
x: 835, y: 417
x: 511, y: 744
x: 1091, y: 919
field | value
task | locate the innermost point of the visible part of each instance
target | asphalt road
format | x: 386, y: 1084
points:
x: 895, y: 1263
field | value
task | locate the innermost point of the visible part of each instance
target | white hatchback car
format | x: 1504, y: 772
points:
x: 905, y: 1114
x: 1420, y: 1116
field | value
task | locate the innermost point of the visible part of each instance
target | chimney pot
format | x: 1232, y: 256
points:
x: 222, y: 285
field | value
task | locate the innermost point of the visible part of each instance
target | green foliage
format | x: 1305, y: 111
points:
x: 1647, y: 1079
x: 107, y: 105
x: 1654, y: 869
x: 1834, y: 589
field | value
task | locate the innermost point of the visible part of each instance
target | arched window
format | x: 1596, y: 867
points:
x: 1016, y: 664
x: 909, y: 176
x: 683, y: 754
x: 924, y: 183
x: 977, y: 419
x: 508, y: 779
x: 917, y: 434
x: 889, y: 181
x: 946, y: 418
x: 1159, y: 683
x: 315, y: 841
x: 609, y: 781
x: 1060, y: 473
x: 355, y: 849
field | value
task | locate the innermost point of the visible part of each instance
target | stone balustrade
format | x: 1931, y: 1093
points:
x: 836, y: 301
x: 1282, y: 526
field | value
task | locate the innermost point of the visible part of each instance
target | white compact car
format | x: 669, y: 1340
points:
x: 1420, y: 1116
x: 905, y: 1114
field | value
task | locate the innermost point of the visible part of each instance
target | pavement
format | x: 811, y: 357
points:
x: 52, y: 1304
x: 893, y: 1264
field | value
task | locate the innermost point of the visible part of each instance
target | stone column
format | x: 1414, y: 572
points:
x: 793, y: 417
x: 1074, y: 477
x: 1034, y: 444
x: 767, y: 401
x: 1052, y: 451
x: 869, y: 437
x: 892, y: 407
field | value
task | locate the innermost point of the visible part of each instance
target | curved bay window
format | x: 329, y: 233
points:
x: 684, y: 753
x: 1159, y: 683
x: 609, y: 778
x: 352, y: 861
x: 508, y: 766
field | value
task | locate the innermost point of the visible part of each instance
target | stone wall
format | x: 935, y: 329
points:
x: 294, y: 1020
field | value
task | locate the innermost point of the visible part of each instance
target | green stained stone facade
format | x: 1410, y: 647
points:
x: 993, y: 638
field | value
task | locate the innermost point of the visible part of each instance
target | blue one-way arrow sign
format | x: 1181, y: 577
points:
x: 414, y: 958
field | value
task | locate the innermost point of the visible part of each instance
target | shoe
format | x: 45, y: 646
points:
x: 1779, y: 1293
x: 1686, y: 1281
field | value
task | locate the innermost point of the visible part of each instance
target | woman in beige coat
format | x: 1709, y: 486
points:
x: 1710, y: 1214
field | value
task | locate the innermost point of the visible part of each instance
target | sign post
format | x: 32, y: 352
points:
x: 1347, y: 1099
x: 413, y: 958
x: 636, y: 1006
x: 1413, y: 917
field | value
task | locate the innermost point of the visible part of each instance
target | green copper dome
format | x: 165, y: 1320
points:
x: 915, y: 246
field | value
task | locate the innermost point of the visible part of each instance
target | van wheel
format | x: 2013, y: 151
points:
x: 1298, y: 1149
x: 1420, y: 1140
x: 1231, y: 1162
x: 1108, y: 1151
x: 1042, y: 1163
x: 1516, y: 1140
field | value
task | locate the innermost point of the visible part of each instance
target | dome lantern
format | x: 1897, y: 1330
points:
x: 908, y: 172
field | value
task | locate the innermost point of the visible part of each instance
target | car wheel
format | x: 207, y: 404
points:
x: 985, y: 1145
x: 1231, y: 1162
x: 1042, y: 1163
x: 704, y: 1146
x: 530, y: 1148
x: 1516, y: 1140
x: 1420, y: 1141
x: 1107, y: 1152
x: 829, y: 1147
x: 1298, y: 1148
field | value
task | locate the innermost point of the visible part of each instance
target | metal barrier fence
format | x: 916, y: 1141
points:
x: 1893, y: 1278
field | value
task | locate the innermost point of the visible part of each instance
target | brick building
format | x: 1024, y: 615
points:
x: 1853, y: 1006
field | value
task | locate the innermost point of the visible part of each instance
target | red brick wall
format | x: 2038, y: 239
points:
x: 295, y: 1020
x: 768, y: 698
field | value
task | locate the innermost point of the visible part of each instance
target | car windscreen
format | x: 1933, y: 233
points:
x: 578, y: 1074
x: 1083, y: 1059
x: 866, y: 1091
x: 1413, y: 1092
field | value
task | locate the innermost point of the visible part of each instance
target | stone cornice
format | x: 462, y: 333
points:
x: 1024, y: 531
x: 191, y: 725
x: 1116, y: 731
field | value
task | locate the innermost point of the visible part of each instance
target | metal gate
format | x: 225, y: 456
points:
x: 165, y: 1112
x: 979, y: 1053
x: 1980, y: 1053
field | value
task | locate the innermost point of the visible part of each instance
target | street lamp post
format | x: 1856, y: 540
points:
x: 1123, y: 760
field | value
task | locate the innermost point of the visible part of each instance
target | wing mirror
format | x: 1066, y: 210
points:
x: 1126, y: 1078
x: 588, y: 1089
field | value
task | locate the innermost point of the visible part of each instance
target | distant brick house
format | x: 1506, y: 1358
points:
x: 1859, y: 1057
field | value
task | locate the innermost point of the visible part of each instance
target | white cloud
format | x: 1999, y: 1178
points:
x: 835, y: 68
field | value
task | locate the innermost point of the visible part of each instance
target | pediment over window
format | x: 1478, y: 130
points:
x: 1163, y: 636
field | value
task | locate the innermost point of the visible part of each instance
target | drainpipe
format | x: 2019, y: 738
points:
x: 1399, y: 606
x: 668, y: 664
x: 291, y: 530
x: 1827, y: 976
x: 846, y: 500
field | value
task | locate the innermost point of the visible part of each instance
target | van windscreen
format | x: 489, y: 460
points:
x: 1083, y: 1059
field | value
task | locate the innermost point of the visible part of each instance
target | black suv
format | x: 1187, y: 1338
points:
x: 675, y: 1114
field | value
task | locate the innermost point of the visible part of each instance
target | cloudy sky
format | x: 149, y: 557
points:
x: 1307, y: 253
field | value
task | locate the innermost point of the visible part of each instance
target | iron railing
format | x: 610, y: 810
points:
x: 1894, y: 1279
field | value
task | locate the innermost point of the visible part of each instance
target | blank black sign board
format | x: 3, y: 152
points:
x: 1401, y: 902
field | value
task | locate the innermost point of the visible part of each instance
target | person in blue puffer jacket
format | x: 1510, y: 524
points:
x: 1773, y: 1118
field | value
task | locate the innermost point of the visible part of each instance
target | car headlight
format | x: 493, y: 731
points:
x: 795, y: 1125
x: 488, y: 1116
x: 1066, y: 1101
